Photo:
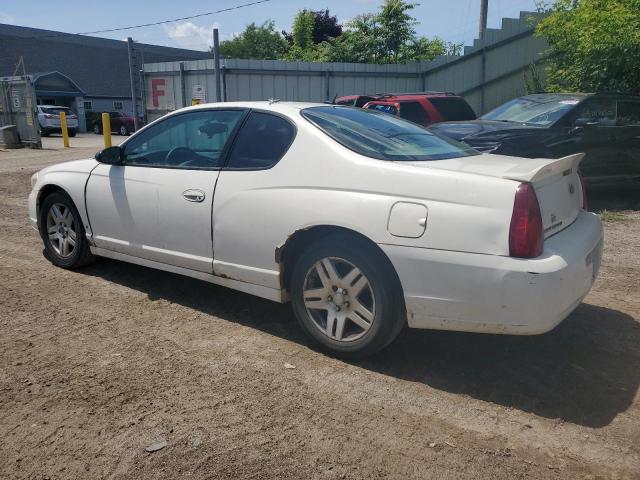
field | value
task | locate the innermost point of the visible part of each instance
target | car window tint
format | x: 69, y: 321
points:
x: 384, y: 137
x: 414, y: 112
x: 190, y: 140
x: 262, y: 142
x: 453, y: 108
x: 384, y: 108
x: 600, y: 110
x: 628, y: 112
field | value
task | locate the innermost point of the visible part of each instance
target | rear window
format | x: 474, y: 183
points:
x: 453, y: 108
x: 381, y: 136
x: 56, y: 110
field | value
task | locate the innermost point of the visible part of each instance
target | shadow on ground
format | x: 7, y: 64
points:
x: 585, y: 372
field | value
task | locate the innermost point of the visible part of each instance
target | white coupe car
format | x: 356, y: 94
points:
x: 364, y: 221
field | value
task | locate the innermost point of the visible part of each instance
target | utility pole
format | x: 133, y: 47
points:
x: 484, y: 6
x: 134, y: 97
x: 216, y: 64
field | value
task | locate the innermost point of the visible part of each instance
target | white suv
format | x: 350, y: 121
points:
x: 49, y: 120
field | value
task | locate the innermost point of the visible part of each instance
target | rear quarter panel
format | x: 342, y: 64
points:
x: 319, y: 182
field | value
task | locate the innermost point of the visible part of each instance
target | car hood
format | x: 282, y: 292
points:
x: 465, y: 130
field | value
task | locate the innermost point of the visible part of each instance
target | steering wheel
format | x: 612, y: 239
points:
x: 175, y: 152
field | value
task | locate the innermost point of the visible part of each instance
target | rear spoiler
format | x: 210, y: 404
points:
x: 531, y: 172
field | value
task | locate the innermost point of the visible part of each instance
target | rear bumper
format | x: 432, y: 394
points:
x: 59, y: 130
x: 493, y: 294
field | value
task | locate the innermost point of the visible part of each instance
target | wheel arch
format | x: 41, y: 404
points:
x: 45, y: 191
x: 287, y: 253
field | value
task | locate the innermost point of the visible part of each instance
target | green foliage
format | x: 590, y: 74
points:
x: 387, y: 36
x: 396, y: 28
x: 609, y: 216
x: 260, y: 42
x: 594, y: 45
x: 533, y: 80
x: 302, y: 34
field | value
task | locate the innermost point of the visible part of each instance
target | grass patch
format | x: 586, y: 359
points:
x: 608, y: 216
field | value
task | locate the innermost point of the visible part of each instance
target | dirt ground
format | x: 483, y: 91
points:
x: 97, y: 364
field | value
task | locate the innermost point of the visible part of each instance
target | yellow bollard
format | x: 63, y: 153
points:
x: 106, y: 129
x: 64, y: 130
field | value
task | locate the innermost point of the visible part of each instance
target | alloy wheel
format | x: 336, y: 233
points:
x: 61, y: 230
x: 339, y: 299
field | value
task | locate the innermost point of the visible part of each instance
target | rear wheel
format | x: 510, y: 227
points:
x: 72, y: 133
x: 62, y: 232
x: 123, y: 130
x: 96, y: 129
x: 346, y: 296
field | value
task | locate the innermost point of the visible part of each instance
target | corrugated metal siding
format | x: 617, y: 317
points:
x: 490, y: 73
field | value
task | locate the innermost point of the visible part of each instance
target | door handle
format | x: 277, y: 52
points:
x: 193, y: 195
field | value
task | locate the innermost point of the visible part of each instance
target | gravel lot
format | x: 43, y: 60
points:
x: 97, y: 364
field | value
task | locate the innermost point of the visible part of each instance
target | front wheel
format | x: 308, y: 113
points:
x: 62, y: 232
x: 96, y: 129
x: 346, y: 296
x: 123, y: 130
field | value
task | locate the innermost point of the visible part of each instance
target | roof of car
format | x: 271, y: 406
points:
x: 275, y: 106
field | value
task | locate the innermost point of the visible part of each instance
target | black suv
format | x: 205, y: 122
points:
x: 605, y: 126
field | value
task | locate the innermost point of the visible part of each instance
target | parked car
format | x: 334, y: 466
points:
x: 605, y: 126
x: 121, y: 123
x: 364, y: 221
x: 423, y: 108
x: 49, y: 120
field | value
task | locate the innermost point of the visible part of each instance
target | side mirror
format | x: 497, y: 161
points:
x: 584, y: 122
x: 110, y: 156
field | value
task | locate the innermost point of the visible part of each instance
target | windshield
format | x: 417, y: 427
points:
x: 539, y: 110
x: 382, y: 136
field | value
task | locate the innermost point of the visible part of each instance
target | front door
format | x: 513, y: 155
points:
x: 157, y: 204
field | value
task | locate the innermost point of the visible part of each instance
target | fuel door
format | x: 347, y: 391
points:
x: 407, y: 219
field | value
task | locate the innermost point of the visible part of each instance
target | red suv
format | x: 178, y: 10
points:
x: 423, y: 108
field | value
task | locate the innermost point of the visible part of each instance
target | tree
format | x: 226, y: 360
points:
x: 325, y: 26
x: 396, y: 27
x: 258, y: 42
x: 594, y: 45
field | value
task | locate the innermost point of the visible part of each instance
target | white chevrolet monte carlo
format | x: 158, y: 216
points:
x: 364, y: 221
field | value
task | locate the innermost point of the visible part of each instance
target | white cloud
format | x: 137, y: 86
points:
x: 6, y: 18
x: 192, y: 36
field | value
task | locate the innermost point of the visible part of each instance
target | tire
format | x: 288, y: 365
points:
x: 123, y: 130
x: 44, y: 132
x: 96, y: 129
x: 72, y: 133
x: 59, y: 215
x: 337, y: 325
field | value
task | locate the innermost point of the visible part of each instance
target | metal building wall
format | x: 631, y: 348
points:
x: 490, y: 73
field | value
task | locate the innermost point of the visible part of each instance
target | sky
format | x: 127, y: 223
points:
x: 451, y: 20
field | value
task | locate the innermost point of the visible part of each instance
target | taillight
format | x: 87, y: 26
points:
x: 526, y: 238
x: 585, y: 206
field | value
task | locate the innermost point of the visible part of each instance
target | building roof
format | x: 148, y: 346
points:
x: 99, y: 66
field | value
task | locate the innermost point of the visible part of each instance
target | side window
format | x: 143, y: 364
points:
x: 628, y: 112
x: 190, y: 140
x: 262, y: 142
x: 413, y: 112
x: 599, y: 110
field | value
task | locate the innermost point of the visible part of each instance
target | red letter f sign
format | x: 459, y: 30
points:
x: 157, y: 90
